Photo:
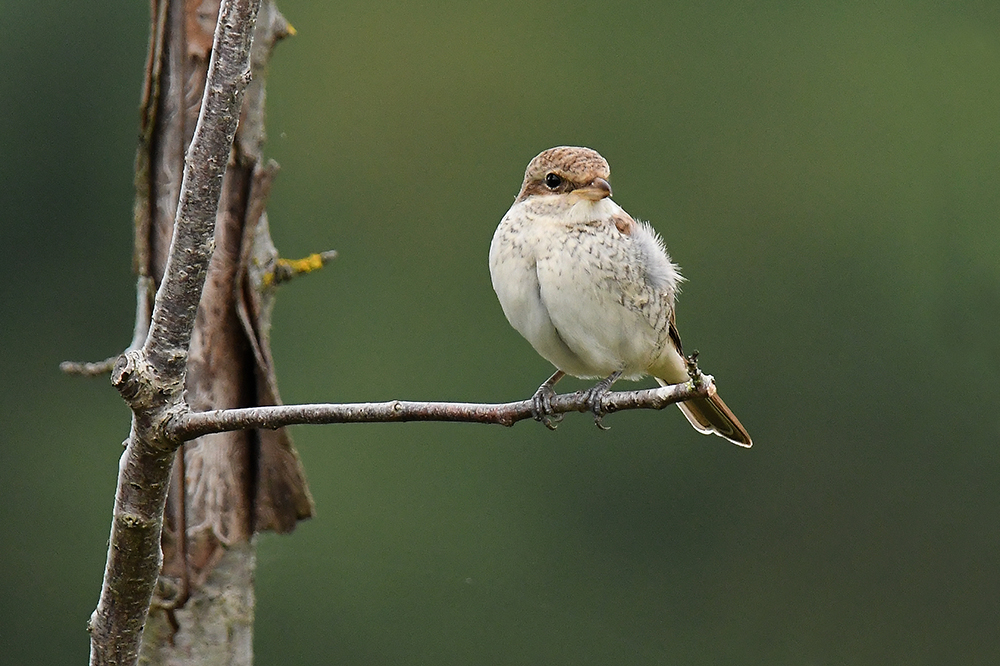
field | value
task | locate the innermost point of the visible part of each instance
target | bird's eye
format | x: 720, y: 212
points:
x: 552, y: 181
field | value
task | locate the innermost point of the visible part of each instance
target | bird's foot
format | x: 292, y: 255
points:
x: 541, y: 408
x: 594, y: 397
x: 692, y: 366
x: 541, y: 402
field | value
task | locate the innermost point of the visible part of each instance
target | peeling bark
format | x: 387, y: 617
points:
x: 198, y: 215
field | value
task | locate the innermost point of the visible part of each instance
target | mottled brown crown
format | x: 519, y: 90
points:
x: 576, y: 165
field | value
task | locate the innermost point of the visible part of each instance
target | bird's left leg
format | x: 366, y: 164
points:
x: 595, y: 397
x: 541, y: 402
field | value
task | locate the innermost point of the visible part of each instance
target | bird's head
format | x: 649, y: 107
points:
x: 579, y: 174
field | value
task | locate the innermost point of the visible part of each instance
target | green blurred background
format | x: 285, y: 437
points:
x: 828, y: 177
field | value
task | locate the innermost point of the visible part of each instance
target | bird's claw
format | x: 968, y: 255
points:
x: 541, y: 407
x: 594, y: 398
x: 541, y: 402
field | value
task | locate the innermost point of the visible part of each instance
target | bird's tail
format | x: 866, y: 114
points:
x: 712, y: 416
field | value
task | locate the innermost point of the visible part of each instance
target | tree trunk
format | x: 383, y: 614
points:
x: 215, y: 625
x: 226, y: 486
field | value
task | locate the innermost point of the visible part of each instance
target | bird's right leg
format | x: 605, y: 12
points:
x: 541, y: 402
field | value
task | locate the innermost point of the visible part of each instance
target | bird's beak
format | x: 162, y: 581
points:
x: 597, y: 189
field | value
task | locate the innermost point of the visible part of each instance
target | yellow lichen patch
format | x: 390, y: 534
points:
x: 307, y: 265
x: 286, y: 269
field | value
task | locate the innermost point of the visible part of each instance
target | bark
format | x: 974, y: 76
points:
x: 236, y: 483
x: 228, y: 485
x: 197, y: 224
x: 216, y: 623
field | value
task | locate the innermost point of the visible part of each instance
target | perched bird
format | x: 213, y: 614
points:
x: 591, y: 288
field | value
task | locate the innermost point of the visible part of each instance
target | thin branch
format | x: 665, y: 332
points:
x: 143, y: 300
x: 88, y: 368
x: 195, y: 424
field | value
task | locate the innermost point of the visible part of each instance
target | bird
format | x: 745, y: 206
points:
x: 593, y: 289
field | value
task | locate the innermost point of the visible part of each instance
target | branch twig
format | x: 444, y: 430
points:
x: 189, y: 425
